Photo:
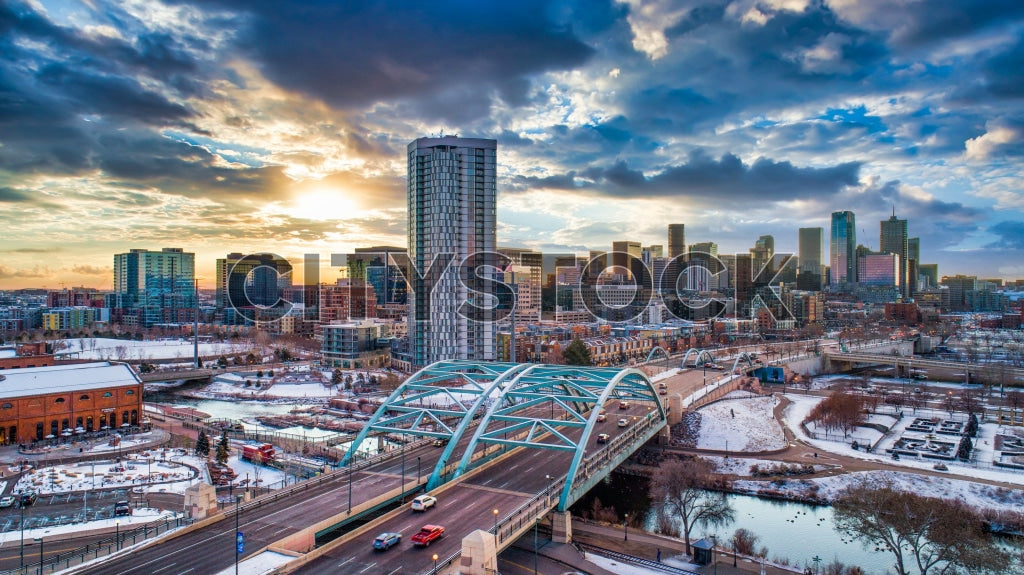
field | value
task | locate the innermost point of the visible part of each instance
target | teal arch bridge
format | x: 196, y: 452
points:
x: 480, y: 411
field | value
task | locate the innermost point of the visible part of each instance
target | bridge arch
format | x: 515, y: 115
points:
x: 742, y: 356
x: 438, y: 401
x: 518, y: 417
x: 654, y: 351
x: 703, y: 356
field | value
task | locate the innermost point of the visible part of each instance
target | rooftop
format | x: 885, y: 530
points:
x: 65, y: 378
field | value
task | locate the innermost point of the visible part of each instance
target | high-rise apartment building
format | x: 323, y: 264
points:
x: 892, y: 239
x: 811, y: 258
x: 452, y: 218
x: 154, y: 287
x: 843, y: 250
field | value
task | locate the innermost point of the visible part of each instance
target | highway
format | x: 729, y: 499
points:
x: 211, y: 548
x: 462, y: 508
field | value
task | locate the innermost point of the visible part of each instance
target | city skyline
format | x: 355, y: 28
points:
x: 145, y: 125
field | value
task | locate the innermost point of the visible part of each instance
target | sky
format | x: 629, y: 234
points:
x: 269, y: 126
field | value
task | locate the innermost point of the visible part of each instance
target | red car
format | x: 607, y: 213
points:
x: 427, y: 535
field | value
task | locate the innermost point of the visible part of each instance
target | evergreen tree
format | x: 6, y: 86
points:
x: 963, y: 452
x: 223, y: 451
x: 337, y: 377
x: 203, y: 445
x: 577, y: 353
x: 972, y: 426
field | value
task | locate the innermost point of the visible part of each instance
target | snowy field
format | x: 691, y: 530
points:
x: 123, y: 349
x: 620, y: 568
x: 740, y: 466
x: 802, y: 405
x: 138, y: 517
x: 977, y: 495
x: 740, y: 423
x: 257, y: 475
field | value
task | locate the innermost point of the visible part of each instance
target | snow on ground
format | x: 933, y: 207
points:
x: 137, y: 518
x: 715, y: 384
x: 740, y: 423
x: 740, y: 466
x: 134, y: 472
x: 267, y: 476
x: 621, y: 568
x: 802, y: 405
x: 665, y: 374
x: 977, y: 495
x: 124, y: 349
x: 258, y: 564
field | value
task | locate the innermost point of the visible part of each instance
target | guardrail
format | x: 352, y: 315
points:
x: 103, y: 547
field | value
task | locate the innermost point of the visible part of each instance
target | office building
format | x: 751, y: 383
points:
x: 154, y: 287
x: 843, y: 250
x: 676, y: 240
x: 810, y: 258
x: 878, y: 270
x: 381, y: 267
x: 626, y: 257
x: 524, y: 275
x: 892, y: 239
x: 761, y: 258
x: 913, y: 264
x: 452, y: 213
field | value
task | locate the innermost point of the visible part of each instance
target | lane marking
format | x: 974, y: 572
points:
x: 368, y: 567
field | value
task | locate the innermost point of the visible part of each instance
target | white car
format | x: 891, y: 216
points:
x: 423, y: 502
x: 623, y: 422
x: 7, y: 501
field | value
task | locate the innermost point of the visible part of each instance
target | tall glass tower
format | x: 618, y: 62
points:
x: 843, y: 250
x: 452, y: 217
x: 892, y: 239
x: 811, y: 258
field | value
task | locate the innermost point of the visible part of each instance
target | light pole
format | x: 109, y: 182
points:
x: 495, y: 511
x: 817, y: 561
x: 403, y: 469
x: 417, y: 470
x: 350, y: 487
x: 625, y: 527
x: 536, y: 523
x: 40, y: 540
x: 237, y: 511
x: 117, y: 536
x: 714, y: 548
x: 435, y: 563
x: 22, y: 524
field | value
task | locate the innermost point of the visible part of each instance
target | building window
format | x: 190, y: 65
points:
x: 130, y: 392
x: 84, y: 398
x: 7, y: 406
x: 39, y: 430
x: 59, y: 400
x: 88, y: 423
x: 108, y: 394
x: 54, y: 429
x: 78, y: 423
x: 135, y: 417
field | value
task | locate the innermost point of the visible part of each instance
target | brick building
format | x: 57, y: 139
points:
x: 26, y: 355
x: 63, y: 401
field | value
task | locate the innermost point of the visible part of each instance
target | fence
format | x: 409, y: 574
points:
x: 103, y: 547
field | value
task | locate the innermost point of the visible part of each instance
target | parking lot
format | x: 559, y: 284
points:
x: 64, y: 509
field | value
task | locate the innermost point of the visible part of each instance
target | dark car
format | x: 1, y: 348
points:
x: 28, y: 498
x: 385, y: 541
x: 122, y: 508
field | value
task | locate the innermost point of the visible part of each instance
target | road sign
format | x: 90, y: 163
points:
x: 240, y: 540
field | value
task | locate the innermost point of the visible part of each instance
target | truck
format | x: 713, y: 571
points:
x: 262, y: 453
x: 427, y: 535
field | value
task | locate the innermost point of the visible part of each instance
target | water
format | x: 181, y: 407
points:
x: 221, y: 408
x: 794, y: 531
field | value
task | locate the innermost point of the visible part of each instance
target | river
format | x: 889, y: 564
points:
x: 795, y: 531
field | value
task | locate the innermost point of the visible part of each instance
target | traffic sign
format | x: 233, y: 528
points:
x: 240, y: 540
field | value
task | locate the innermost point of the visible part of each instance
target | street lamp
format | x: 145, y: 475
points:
x: 349, y: 487
x: 435, y: 563
x: 403, y: 469
x: 238, y: 500
x: 40, y: 540
x: 625, y: 527
x: 417, y: 470
x: 714, y: 547
x: 495, y: 512
x: 117, y: 536
x: 22, y: 524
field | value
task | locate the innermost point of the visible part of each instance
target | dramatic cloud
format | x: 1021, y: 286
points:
x: 231, y: 125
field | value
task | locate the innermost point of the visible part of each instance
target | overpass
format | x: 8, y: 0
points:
x: 521, y: 437
x: 904, y: 364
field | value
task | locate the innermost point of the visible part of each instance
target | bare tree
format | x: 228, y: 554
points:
x: 682, y: 487
x: 935, y: 535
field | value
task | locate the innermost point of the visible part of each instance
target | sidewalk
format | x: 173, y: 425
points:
x: 646, y: 545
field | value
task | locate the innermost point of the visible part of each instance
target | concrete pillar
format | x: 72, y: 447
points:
x: 561, y: 531
x: 675, y: 405
x: 479, y: 554
x: 201, y: 500
x: 664, y: 435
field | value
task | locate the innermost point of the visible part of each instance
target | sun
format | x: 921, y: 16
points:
x: 322, y: 204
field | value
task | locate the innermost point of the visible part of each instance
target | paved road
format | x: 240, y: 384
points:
x: 209, y: 549
x: 461, y: 509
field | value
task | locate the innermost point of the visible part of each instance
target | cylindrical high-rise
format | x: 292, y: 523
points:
x: 452, y: 216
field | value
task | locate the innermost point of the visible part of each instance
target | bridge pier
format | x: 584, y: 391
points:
x: 479, y: 554
x: 675, y: 409
x: 561, y: 526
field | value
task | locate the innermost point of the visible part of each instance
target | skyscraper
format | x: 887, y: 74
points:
x: 676, y: 240
x: 452, y: 215
x: 810, y: 258
x: 892, y: 239
x: 761, y: 256
x: 154, y: 287
x: 913, y: 261
x: 842, y: 250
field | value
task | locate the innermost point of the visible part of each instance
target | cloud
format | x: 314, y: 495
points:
x: 729, y: 178
x: 1011, y: 235
x: 996, y: 138
x: 91, y: 270
x: 23, y: 273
